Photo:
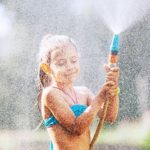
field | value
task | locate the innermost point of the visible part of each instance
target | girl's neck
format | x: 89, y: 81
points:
x: 66, y: 87
x: 68, y: 90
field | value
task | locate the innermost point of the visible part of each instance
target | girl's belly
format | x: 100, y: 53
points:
x: 64, y: 140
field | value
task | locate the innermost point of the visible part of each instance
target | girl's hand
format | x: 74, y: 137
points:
x: 112, y: 74
x: 107, y: 91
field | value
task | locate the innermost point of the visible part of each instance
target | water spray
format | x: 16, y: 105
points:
x: 112, y: 61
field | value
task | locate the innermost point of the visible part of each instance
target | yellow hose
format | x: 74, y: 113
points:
x: 100, y: 124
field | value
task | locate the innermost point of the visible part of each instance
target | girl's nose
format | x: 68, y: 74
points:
x: 69, y: 65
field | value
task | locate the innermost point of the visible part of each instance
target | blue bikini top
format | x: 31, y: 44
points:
x: 77, y: 109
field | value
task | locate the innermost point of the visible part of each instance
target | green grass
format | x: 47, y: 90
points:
x: 134, y: 134
x: 146, y: 142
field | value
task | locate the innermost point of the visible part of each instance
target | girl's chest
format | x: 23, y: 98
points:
x: 81, y: 97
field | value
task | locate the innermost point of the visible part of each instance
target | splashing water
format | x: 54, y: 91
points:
x: 6, y: 31
x: 18, y: 34
x: 5, y: 25
x: 118, y: 15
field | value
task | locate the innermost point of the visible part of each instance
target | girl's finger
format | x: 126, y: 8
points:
x: 112, y: 73
x: 114, y: 87
x: 109, y: 83
x: 115, y: 69
x: 112, y: 76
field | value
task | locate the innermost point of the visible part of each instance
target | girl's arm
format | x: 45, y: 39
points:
x: 112, y: 110
x: 112, y: 74
x: 62, y: 112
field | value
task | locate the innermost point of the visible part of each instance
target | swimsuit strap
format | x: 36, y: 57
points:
x: 75, y: 101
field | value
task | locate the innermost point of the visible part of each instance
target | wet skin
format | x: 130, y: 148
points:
x: 73, y: 133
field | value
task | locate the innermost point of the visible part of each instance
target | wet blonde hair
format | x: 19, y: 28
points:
x: 48, y: 44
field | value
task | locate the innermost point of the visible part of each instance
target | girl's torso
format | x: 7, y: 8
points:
x: 61, y: 138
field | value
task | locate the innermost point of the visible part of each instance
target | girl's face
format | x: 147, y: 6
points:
x: 65, y: 64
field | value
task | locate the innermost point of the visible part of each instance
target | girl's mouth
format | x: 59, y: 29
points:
x: 70, y: 74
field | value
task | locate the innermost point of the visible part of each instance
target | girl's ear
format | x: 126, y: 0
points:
x: 46, y: 68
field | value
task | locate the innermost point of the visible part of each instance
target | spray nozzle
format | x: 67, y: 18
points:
x: 114, y: 48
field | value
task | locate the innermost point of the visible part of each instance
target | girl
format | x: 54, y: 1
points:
x: 67, y: 110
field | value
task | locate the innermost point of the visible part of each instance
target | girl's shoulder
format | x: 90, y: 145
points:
x: 50, y: 93
x: 87, y: 93
x: 55, y: 91
x: 48, y: 90
x: 83, y: 90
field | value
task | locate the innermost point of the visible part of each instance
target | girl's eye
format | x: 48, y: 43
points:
x: 74, y: 60
x: 61, y: 63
